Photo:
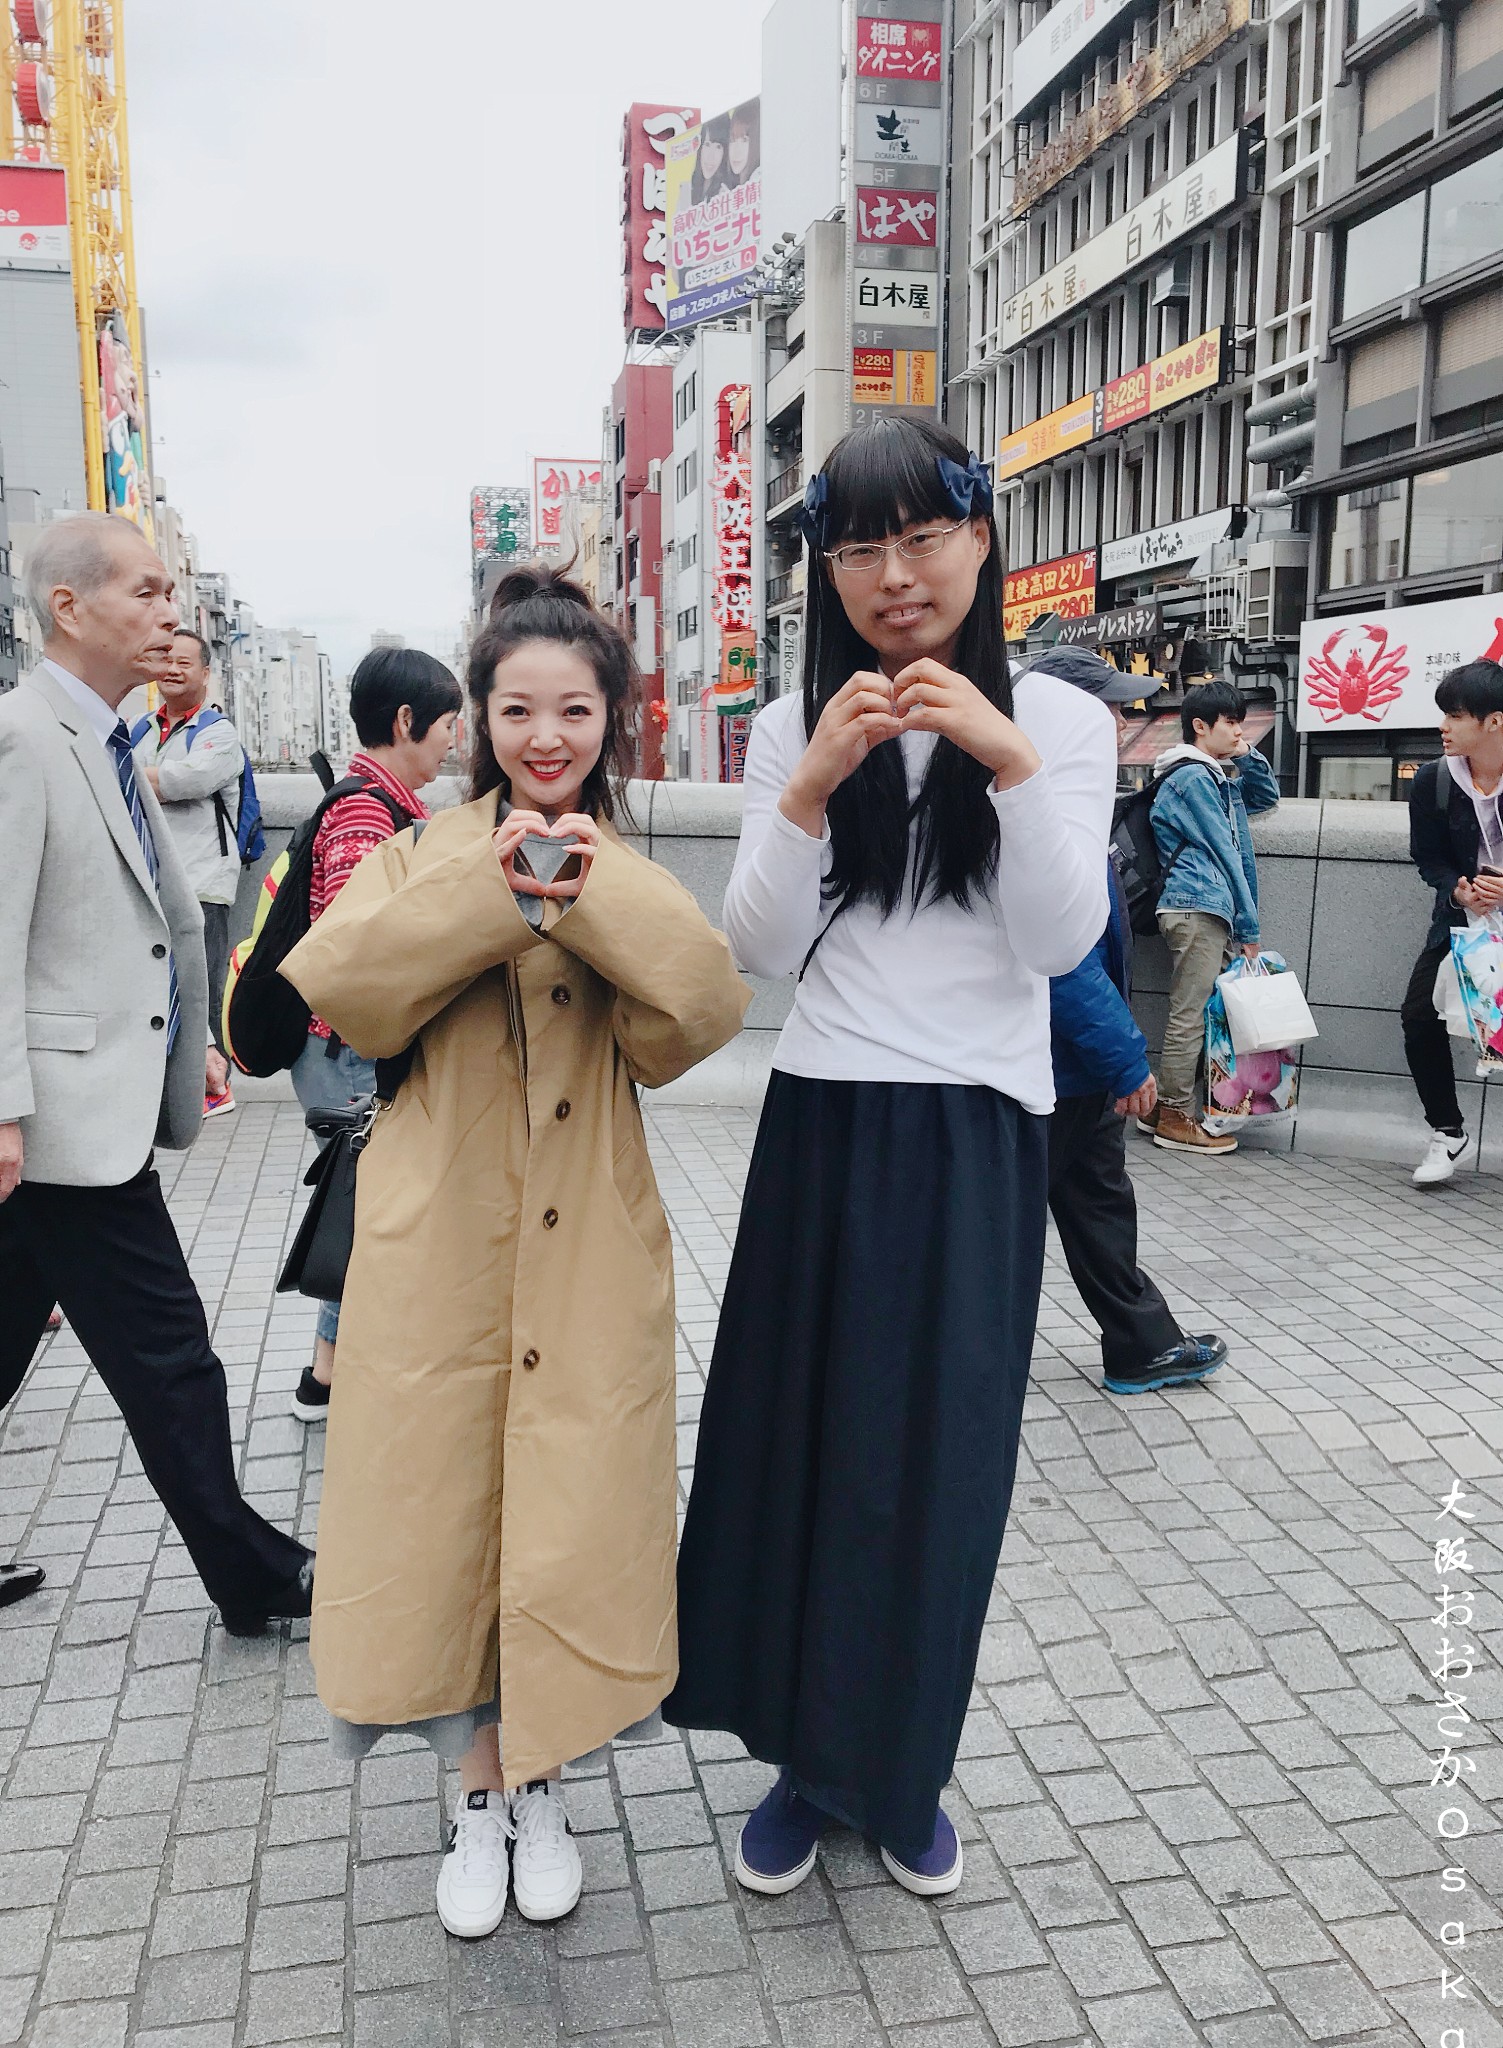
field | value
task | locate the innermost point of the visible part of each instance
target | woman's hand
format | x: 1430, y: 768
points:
x: 578, y: 826
x: 507, y: 837
x: 857, y: 718
x: 931, y: 698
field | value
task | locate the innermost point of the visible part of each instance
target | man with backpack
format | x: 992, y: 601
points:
x: 1456, y: 842
x: 192, y: 757
x: 1206, y: 789
x: 404, y: 704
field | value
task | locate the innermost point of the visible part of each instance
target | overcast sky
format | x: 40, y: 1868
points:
x: 378, y: 253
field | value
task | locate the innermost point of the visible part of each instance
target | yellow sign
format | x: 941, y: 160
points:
x: 1202, y: 30
x: 1054, y: 434
x: 894, y: 376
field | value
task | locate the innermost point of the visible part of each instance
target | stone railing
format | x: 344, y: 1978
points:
x: 1340, y: 901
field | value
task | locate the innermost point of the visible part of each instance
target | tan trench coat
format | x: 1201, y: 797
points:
x: 509, y: 1235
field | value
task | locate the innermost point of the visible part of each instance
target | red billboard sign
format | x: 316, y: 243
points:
x: 897, y: 220
x: 33, y: 216
x: 1065, y: 586
x: 899, y: 49
x: 645, y: 136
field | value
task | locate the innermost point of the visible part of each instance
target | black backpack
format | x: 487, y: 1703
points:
x: 1135, y: 852
x: 265, y: 1019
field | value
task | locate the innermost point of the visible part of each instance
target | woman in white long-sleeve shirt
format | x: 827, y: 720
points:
x: 928, y: 844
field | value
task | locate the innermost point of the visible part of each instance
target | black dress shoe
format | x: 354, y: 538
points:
x: 293, y: 1604
x: 17, y: 1580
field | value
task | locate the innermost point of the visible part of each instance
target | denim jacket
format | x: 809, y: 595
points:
x: 1200, y: 826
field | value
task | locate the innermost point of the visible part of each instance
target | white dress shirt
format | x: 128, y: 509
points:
x: 102, y: 720
x: 937, y: 994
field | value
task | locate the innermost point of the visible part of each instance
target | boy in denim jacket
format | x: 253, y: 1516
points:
x: 1208, y: 911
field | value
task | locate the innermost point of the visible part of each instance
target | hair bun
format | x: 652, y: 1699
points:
x: 537, y: 580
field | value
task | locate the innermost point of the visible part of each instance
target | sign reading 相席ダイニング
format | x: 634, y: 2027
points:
x: 1179, y: 207
x: 1380, y: 669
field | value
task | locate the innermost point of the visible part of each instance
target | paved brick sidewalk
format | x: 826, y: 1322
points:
x: 1194, y: 1784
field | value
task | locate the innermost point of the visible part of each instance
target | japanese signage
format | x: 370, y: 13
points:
x: 730, y: 502
x: 1181, y: 542
x: 898, y: 220
x: 33, y: 218
x: 1202, y: 30
x: 1195, y: 366
x: 1066, y: 587
x: 645, y: 137
x: 1178, y: 208
x: 899, y: 49
x: 1065, y: 33
x: 735, y: 738
x: 558, y: 488
x: 908, y: 298
x: 714, y: 174
x: 895, y: 145
x: 500, y: 523
x: 1128, y: 623
x: 1381, y: 668
x: 888, y: 134
x: 894, y: 376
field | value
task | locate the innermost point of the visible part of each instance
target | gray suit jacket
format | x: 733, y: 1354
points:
x: 84, y: 940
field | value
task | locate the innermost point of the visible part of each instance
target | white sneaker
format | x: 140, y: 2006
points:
x: 472, y: 1882
x: 547, y: 1874
x: 1442, y: 1159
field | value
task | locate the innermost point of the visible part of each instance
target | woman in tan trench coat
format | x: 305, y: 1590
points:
x: 498, y: 1522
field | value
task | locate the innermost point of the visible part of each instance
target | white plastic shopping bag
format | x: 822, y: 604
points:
x: 1266, y: 1009
x: 1477, y: 957
x: 1450, y: 1003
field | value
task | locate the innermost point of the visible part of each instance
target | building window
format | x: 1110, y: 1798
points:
x: 686, y: 399
x: 686, y: 476
x: 1367, y: 15
x: 1384, y: 257
x: 1367, y: 536
x: 688, y: 551
x: 633, y: 558
x: 1466, y: 217
x: 1456, y: 516
x: 688, y: 622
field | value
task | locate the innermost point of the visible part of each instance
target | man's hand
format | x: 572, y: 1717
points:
x: 857, y: 718
x: 1487, y: 892
x: 1249, y: 949
x: 216, y: 1072
x: 931, y: 698
x: 11, y: 1156
x: 1142, y: 1102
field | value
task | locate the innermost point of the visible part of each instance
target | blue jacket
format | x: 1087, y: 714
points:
x: 1096, y: 1040
x: 1200, y: 825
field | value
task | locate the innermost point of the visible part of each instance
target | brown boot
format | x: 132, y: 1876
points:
x: 1177, y: 1132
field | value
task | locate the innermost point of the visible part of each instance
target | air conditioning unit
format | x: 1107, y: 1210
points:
x: 1171, y: 285
x: 655, y: 475
x: 1276, y: 576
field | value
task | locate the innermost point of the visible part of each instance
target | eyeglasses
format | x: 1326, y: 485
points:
x: 859, y: 557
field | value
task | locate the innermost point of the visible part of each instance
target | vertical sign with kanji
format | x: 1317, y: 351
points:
x: 559, y: 488
x: 898, y: 63
x: 645, y: 136
x: 731, y: 570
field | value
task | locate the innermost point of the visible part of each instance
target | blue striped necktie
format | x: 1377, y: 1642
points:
x: 125, y: 769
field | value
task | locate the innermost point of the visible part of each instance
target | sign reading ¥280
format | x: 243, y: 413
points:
x: 1181, y: 372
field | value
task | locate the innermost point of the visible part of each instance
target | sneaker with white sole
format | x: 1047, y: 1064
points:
x: 1447, y: 1150
x: 472, y: 1883
x: 219, y: 1105
x: 546, y: 1873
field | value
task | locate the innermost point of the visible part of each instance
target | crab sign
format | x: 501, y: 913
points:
x: 1356, y: 675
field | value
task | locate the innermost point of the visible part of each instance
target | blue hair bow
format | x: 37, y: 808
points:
x: 969, y: 490
x: 814, y: 514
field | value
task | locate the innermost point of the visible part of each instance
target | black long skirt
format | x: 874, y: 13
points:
x: 859, y: 1438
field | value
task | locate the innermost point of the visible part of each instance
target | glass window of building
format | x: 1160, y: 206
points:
x: 1466, y: 217
x: 1384, y: 257
x: 1458, y: 516
x: 1367, y: 15
x: 1367, y: 537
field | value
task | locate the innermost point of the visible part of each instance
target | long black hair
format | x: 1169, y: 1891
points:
x: 539, y: 603
x: 881, y: 478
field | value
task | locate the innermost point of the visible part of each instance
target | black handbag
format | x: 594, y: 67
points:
x: 320, y: 1254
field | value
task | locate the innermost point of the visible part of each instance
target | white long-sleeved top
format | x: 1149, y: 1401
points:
x: 939, y: 993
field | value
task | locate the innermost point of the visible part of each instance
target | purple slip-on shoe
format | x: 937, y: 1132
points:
x: 779, y: 1841
x: 938, y: 1870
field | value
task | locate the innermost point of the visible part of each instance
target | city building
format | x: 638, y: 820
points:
x: 640, y: 446
x: 1141, y: 298
x: 1402, y: 457
x: 10, y: 672
x: 711, y: 380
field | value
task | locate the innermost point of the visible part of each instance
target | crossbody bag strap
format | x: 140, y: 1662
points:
x: 823, y: 934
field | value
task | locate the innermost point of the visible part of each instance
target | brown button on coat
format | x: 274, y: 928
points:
x: 477, y: 1520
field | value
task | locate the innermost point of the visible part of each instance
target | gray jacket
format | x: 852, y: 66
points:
x: 84, y: 939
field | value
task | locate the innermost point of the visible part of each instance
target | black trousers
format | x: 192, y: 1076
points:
x: 1427, y: 1043
x: 1096, y: 1214
x: 111, y: 1259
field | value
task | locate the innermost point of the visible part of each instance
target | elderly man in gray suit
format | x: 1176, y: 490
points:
x: 104, y: 1045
